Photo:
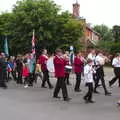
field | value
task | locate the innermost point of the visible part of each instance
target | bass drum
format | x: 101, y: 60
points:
x: 50, y: 65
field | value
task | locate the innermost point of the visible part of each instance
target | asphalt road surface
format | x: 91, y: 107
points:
x: 18, y: 103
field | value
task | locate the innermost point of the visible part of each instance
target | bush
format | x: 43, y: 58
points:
x: 110, y: 46
x: 114, y: 48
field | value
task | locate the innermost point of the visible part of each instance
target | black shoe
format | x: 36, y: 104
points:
x: 108, y: 93
x: 118, y: 103
x: 51, y: 87
x: 3, y: 86
x: 78, y: 90
x: 57, y: 97
x: 91, y: 101
x: 99, y: 85
x: 67, y: 99
x: 69, y: 84
x: 43, y: 87
x: 85, y: 99
x: 31, y: 85
x: 96, y: 92
x: 110, y: 84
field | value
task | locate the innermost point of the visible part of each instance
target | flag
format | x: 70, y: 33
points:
x: 33, y: 43
x: 6, y: 46
x: 33, y: 62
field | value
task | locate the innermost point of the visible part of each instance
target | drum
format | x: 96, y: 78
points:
x: 68, y: 68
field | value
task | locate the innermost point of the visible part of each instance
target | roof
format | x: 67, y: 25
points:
x: 91, y: 29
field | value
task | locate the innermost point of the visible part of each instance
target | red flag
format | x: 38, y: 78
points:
x: 33, y: 43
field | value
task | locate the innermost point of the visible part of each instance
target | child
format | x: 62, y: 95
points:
x: 88, y: 75
x: 26, y: 74
x: 38, y: 72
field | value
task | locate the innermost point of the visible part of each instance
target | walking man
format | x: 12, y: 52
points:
x: 59, y: 64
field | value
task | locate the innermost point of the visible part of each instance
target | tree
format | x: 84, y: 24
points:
x: 5, y: 20
x: 52, y: 30
x: 105, y: 32
x: 116, y: 33
x: 28, y: 15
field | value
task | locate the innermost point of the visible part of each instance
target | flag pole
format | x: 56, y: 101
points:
x: 6, y: 49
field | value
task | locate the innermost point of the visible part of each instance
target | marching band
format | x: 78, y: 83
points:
x: 59, y: 64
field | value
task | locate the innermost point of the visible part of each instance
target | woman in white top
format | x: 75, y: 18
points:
x: 116, y: 65
x: 88, y: 75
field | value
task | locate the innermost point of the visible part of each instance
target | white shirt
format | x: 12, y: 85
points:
x: 88, y: 74
x: 99, y: 60
x: 50, y: 65
x: 91, y: 57
x: 116, y: 62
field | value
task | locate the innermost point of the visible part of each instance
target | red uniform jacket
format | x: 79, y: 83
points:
x: 59, y: 64
x: 43, y: 61
x: 78, y: 65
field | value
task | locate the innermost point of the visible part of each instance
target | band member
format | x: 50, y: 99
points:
x: 92, y: 56
x: 78, y: 67
x: 100, y: 61
x: 88, y: 75
x: 19, y: 68
x: 116, y: 65
x: 67, y: 71
x: 59, y: 64
x: 43, y: 62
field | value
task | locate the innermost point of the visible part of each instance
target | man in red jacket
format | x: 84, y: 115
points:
x: 43, y: 62
x: 59, y: 64
x: 78, y: 67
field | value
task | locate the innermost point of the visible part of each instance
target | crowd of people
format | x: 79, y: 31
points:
x: 25, y: 69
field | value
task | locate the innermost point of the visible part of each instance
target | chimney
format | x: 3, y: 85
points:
x: 76, y: 10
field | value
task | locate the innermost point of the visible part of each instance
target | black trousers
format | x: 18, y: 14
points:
x: 94, y: 77
x: 89, y: 94
x: 61, y: 85
x: 78, y: 81
x: 46, y: 79
x: 31, y: 78
x: 13, y: 75
x: 26, y: 80
x: 2, y: 79
x: 117, y: 76
x: 100, y: 76
x: 19, y: 79
x: 67, y: 78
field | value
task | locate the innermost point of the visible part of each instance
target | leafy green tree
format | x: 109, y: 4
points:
x: 116, y: 33
x: 5, y: 20
x: 105, y: 32
x: 28, y: 15
x: 52, y: 29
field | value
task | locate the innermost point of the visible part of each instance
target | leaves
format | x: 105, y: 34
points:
x: 105, y: 32
x: 52, y: 29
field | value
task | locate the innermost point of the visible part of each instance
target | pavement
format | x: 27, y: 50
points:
x: 18, y: 103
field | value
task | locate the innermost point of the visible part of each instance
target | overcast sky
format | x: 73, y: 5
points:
x: 95, y: 11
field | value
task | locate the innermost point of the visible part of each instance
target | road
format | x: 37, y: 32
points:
x: 18, y: 103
